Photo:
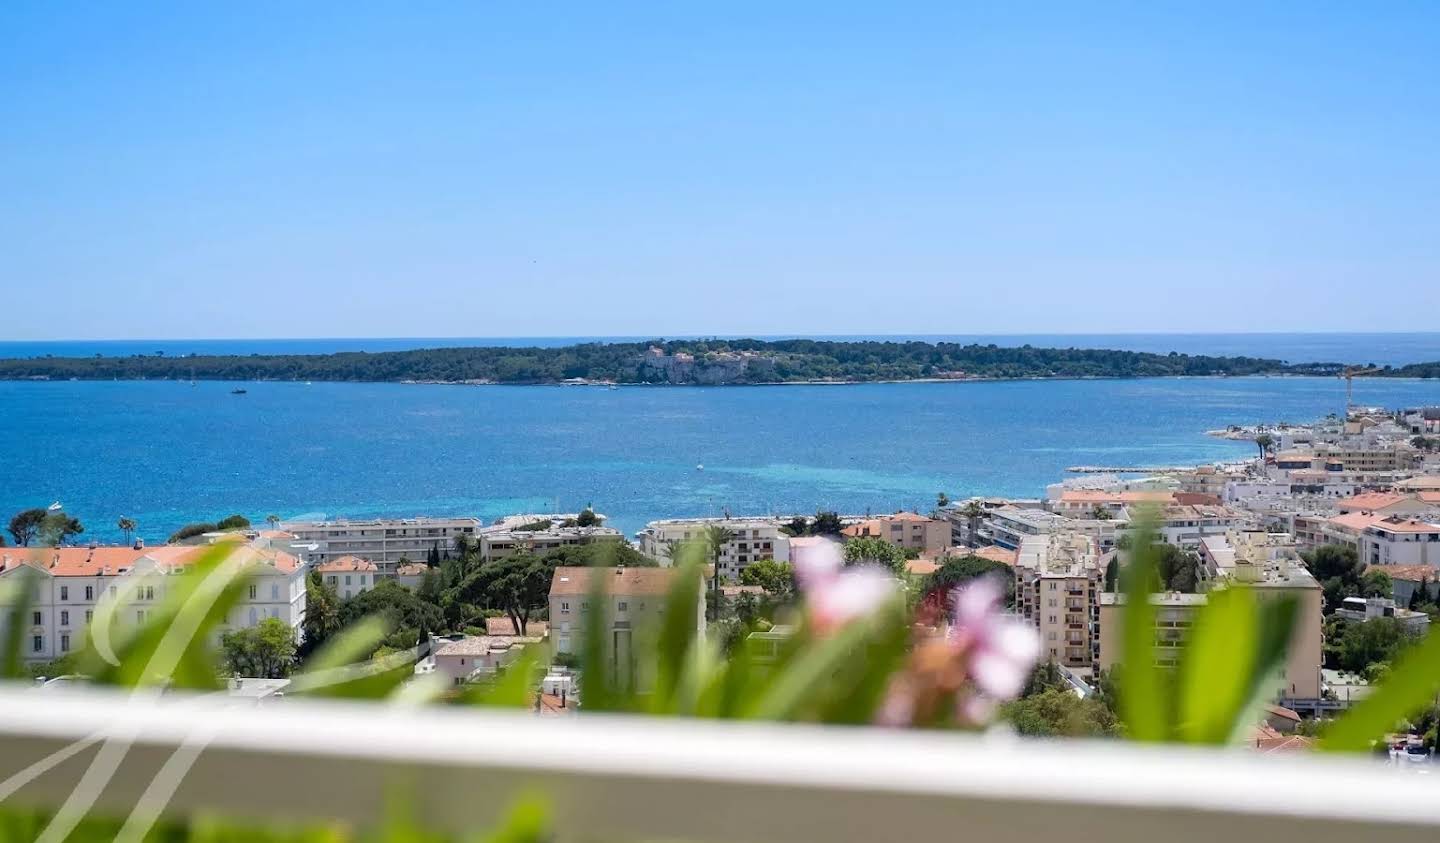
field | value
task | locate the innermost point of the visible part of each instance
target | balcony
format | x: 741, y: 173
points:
x: 635, y: 778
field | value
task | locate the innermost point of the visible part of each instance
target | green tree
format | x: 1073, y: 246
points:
x: 942, y: 500
x: 189, y: 531
x: 127, y: 526
x: 1376, y: 583
x: 797, y: 526
x: 1264, y: 441
x: 233, y: 522
x: 715, y: 537
x: 1057, y: 712
x: 826, y: 524
x: 1367, y: 643
x: 1100, y: 513
x: 272, y: 520
x: 266, y: 650
x: 25, y: 526
x: 1338, y: 569
x: 406, y: 613
x: 517, y: 585
x: 777, y: 578
x: 973, y: 512
x: 588, y: 518
x: 870, y: 550
x: 322, y: 612
x: 1178, y: 568
x: 958, y: 570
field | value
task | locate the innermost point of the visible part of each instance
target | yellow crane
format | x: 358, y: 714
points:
x: 1350, y: 373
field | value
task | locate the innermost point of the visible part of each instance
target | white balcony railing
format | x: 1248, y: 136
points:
x: 620, y: 778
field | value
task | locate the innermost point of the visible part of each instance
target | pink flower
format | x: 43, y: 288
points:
x: 836, y: 595
x: 1000, y: 650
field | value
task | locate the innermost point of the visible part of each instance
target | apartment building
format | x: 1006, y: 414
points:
x: 1185, y: 525
x: 906, y: 530
x: 634, y: 604
x: 465, y: 659
x: 382, y: 541
x: 1058, y: 579
x: 1362, y: 609
x: 1299, y: 687
x: 504, y: 542
x: 1082, y: 503
x: 350, y: 576
x: 750, y: 540
x: 1383, y: 503
x: 1008, y: 526
x: 1220, y: 554
x: 1398, y: 540
x: 70, y: 584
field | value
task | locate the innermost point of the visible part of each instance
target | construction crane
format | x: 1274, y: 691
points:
x: 1350, y: 373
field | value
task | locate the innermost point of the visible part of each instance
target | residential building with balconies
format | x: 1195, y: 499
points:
x: 1058, y: 579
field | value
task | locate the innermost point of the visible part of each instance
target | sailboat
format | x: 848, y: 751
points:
x: 55, y: 507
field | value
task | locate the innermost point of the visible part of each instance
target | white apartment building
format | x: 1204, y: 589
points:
x: 382, y: 541
x: 1398, y: 540
x: 71, y: 583
x: 751, y: 539
x: 1058, y: 580
x: 349, y: 576
x: 1362, y: 609
x: 502, y: 543
x: 1186, y: 525
x: 1008, y: 526
x: 475, y: 656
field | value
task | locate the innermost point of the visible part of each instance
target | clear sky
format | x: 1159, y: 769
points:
x: 524, y: 169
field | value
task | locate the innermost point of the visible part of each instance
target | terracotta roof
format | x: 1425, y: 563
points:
x: 502, y: 626
x: 480, y: 645
x: 1356, y: 521
x: 110, y: 561
x: 1371, y: 501
x: 1284, y: 743
x: 1430, y: 497
x: 624, y: 581
x: 921, y: 567
x: 1103, y: 496
x: 1406, y: 525
x: 414, y: 569
x: 999, y: 554
x: 1409, y: 573
x: 1282, y: 711
x: 345, y: 564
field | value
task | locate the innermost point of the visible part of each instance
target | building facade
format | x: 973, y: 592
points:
x: 382, y: 541
x: 906, y: 530
x: 1058, y: 580
x: 749, y: 540
x: 71, y: 585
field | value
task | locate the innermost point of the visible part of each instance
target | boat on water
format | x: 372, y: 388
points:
x: 238, y: 391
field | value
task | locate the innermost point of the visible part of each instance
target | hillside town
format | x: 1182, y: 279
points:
x: 1342, y: 516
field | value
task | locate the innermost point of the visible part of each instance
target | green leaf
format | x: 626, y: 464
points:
x: 1410, y: 686
x: 679, y: 629
x: 794, y: 688
x: 1218, y: 665
x: 599, y: 690
x: 514, y: 687
x: 858, y: 687
x: 18, y: 592
x: 1277, y: 626
x: 1144, y: 693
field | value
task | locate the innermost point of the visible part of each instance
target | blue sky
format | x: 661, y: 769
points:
x: 499, y: 169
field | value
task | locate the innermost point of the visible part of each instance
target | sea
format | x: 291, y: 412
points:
x: 166, y: 453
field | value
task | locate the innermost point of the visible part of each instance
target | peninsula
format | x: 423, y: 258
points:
x: 708, y: 362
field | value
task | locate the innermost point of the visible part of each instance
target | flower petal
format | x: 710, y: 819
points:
x: 975, y: 602
x: 816, y: 562
x: 856, y: 592
x: 997, y: 676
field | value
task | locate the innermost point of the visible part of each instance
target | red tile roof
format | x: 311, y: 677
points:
x: 345, y: 564
x: 622, y: 581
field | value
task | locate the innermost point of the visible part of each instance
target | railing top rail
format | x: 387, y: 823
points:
x: 676, y: 778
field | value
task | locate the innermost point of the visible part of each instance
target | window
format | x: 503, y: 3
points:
x: 149, y: 592
x: 330, y: 579
x: 275, y: 591
x: 64, y: 592
x: 140, y: 615
x: 624, y: 606
x: 347, y: 579
x: 64, y: 643
x: 36, y: 618
x: 253, y: 590
x: 89, y: 592
x: 37, y: 643
x: 253, y: 616
x: 64, y: 617
x: 88, y: 614
x: 1051, y: 636
x: 1054, y: 602
x: 1052, y: 619
x: 564, y: 607
x: 1052, y: 585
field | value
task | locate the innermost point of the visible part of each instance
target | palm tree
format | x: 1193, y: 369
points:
x: 1263, y: 441
x: 127, y: 526
x: 942, y: 500
x: 273, y: 520
x: 715, y: 538
x: 973, y: 512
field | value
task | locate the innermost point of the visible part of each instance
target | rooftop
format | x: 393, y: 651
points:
x: 619, y: 580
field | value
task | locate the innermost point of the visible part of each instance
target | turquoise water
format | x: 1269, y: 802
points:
x: 166, y: 453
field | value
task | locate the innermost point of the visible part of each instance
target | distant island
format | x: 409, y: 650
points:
x: 679, y: 362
